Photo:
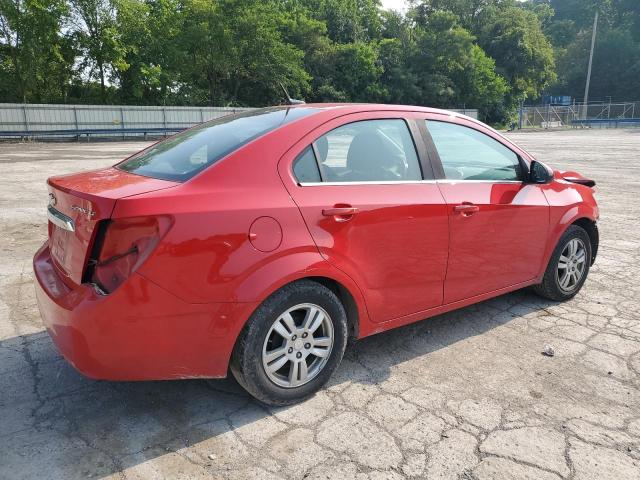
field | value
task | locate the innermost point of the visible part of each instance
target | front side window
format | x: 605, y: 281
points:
x: 467, y: 154
x: 365, y: 151
x: 184, y: 155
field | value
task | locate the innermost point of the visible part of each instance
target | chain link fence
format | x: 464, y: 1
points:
x: 593, y: 115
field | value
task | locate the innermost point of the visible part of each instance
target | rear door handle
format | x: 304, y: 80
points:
x: 466, y: 209
x: 340, y: 214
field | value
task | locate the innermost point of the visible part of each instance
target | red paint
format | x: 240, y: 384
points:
x: 95, y: 192
x: 486, y: 248
x: 243, y: 228
x: 265, y: 234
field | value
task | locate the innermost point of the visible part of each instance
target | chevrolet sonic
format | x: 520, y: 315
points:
x: 259, y: 243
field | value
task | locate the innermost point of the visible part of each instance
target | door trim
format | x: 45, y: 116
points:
x: 404, y: 182
x: 371, y: 182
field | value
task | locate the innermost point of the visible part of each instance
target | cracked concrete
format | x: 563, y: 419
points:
x: 464, y: 395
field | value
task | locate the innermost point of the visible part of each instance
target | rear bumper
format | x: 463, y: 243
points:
x: 138, y: 332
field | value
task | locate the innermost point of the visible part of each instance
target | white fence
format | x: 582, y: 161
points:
x: 44, y: 121
x: 74, y: 120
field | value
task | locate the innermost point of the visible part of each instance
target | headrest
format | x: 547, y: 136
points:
x: 367, y: 152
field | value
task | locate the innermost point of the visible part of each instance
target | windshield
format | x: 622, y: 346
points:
x: 182, y: 156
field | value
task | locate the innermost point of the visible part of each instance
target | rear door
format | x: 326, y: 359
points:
x: 498, y: 222
x: 368, y: 197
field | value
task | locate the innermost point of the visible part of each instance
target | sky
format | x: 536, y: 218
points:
x: 395, y: 4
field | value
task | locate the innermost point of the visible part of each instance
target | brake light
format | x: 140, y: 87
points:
x: 122, y: 246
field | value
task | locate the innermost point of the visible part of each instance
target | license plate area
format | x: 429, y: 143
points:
x: 59, y: 240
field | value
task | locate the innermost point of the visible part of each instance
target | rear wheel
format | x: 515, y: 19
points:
x: 292, y: 344
x: 568, y: 267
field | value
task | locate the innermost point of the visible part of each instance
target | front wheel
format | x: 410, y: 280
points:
x: 568, y: 267
x: 291, y: 344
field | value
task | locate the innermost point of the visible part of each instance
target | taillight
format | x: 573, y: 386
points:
x: 121, y: 247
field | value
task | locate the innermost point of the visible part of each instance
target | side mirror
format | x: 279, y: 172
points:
x: 539, y: 173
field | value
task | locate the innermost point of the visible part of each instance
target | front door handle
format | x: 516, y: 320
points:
x: 466, y: 209
x: 340, y: 214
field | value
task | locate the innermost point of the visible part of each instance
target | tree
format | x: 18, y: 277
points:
x: 453, y: 70
x: 150, y: 31
x: 94, y: 27
x: 35, y: 58
x: 352, y: 73
x: 466, y: 12
x: 615, y: 67
x: 398, y: 77
x: 347, y: 21
x: 513, y: 37
x: 485, y: 54
x: 483, y: 88
x: 237, y: 53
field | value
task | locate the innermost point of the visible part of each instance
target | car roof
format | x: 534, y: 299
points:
x: 376, y: 107
x: 363, y: 107
x: 348, y: 108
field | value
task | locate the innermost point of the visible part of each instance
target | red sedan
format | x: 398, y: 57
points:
x: 260, y: 242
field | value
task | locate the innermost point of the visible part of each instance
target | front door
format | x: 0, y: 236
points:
x: 359, y: 185
x: 498, y: 222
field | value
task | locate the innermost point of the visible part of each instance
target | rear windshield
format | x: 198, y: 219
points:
x: 182, y: 156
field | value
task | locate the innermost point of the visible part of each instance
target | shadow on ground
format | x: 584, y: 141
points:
x: 80, y: 427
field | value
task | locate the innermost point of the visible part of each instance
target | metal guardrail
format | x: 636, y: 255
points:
x: 606, y: 122
x: 88, y: 132
x: 76, y: 121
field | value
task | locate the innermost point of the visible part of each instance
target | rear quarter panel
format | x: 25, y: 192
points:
x: 207, y: 256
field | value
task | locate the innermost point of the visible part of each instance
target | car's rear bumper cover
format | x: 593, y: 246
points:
x: 138, y: 332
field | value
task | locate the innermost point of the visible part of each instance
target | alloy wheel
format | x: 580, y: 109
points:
x: 298, y: 345
x: 571, y: 265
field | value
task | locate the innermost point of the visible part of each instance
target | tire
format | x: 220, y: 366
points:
x: 552, y: 286
x: 260, y: 346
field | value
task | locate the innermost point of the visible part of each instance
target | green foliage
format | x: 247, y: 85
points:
x: 616, y: 66
x: 236, y: 53
x: 347, y: 20
x: 484, y: 54
x: 524, y: 56
x: 94, y: 29
x: 351, y: 73
x: 616, y: 61
x: 35, y: 57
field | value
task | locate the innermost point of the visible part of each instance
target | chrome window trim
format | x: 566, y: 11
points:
x: 451, y: 180
x: 371, y: 182
x: 60, y: 219
x: 403, y: 182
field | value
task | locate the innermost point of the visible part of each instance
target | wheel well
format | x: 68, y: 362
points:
x: 347, y: 300
x: 343, y: 294
x: 594, y: 237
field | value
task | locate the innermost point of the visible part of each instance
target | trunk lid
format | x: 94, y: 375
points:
x: 77, y: 205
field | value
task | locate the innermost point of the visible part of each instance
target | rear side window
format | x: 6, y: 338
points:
x: 467, y: 154
x: 368, y: 151
x: 184, y: 155
x: 305, y: 168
